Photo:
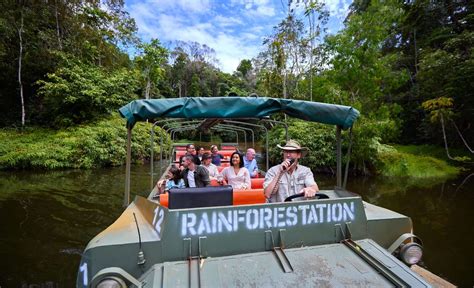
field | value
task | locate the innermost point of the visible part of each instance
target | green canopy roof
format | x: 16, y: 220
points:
x: 237, y: 107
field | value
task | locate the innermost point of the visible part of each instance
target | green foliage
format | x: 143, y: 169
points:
x: 150, y: 63
x: 102, y: 143
x: 359, y: 67
x: 368, y: 133
x: 436, y: 40
x: 245, y: 66
x: 368, y: 155
x: 90, y: 31
x: 321, y: 140
x: 438, y: 106
x: 78, y: 92
x: 436, y: 152
x: 396, y: 163
x: 193, y: 72
x: 282, y: 64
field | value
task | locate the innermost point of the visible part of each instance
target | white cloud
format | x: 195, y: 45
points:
x: 229, y: 49
x: 265, y: 10
x: 234, y: 28
x: 227, y: 21
x: 338, y: 8
x: 193, y: 6
x: 171, y: 23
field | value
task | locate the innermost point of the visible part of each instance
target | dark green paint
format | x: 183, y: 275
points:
x: 237, y: 107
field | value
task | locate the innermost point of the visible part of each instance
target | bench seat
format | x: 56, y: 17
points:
x: 240, y: 197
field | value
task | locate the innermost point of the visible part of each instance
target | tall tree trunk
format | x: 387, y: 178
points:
x: 20, y: 58
x: 444, y: 137
x: 463, y: 140
x: 148, y: 83
x: 416, y: 52
x: 147, y: 89
x: 58, y: 34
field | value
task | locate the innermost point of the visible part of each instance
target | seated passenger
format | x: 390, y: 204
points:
x: 237, y: 175
x: 211, y: 168
x: 172, y: 179
x: 191, y: 150
x: 200, y: 152
x: 216, y: 157
x: 194, y: 175
x: 251, y: 163
x: 289, y: 178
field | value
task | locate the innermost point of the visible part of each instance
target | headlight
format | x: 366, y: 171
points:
x: 411, y: 253
x: 111, y: 282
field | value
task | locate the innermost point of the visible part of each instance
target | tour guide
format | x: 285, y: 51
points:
x: 289, y: 178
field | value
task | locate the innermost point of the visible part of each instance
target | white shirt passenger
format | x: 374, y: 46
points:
x: 213, y: 172
x: 191, y: 181
x: 239, y: 181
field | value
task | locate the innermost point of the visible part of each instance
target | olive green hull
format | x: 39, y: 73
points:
x: 172, y: 238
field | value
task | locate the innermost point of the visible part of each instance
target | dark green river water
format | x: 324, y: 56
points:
x: 47, y: 218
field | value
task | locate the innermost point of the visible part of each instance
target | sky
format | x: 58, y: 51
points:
x: 235, y: 29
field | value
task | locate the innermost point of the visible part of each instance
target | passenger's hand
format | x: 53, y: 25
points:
x: 161, y: 183
x: 308, y: 192
x: 254, y: 173
x: 220, y: 179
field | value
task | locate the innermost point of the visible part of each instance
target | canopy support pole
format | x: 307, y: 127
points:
x: 279, y: 122
x: 152, y: 156
x: 339, y: 156
x: 126, y: 198
x: 348, y: 159
x: 266, y: 147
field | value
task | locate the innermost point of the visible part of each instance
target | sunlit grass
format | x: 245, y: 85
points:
x: 417, y: 162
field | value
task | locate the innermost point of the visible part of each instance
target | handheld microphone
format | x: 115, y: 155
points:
x: 291, y: 163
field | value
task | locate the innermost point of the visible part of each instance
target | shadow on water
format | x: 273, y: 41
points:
x: 47, y: 219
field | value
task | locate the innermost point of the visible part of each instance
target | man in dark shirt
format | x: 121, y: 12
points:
x: 190, y: 150
x: 194, y: 175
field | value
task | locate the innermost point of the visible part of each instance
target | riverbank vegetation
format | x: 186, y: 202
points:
x: 407, y: 67
x: 97, y: 144
x: 368, y: 158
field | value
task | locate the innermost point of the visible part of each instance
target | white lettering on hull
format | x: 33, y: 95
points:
x: 265, y: 218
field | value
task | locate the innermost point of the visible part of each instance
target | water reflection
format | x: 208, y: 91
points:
x: 440, y: 216
x: 47, y: 218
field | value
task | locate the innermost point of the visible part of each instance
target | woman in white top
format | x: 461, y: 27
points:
x: 237, y: 175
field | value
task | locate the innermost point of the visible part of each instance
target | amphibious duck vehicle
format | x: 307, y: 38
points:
x: 220, y: 237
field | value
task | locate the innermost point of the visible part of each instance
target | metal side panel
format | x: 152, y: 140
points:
x: 394, y: 265
x: 374, y: 212
x: 333, y: 265
x: 385, y: 226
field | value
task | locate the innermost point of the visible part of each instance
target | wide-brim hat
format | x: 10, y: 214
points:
x: 293, y: 145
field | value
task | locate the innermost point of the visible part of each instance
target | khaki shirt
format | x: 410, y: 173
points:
x: 289, y: 184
